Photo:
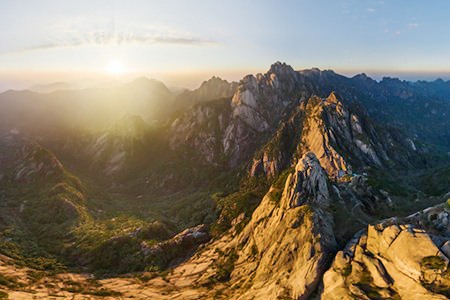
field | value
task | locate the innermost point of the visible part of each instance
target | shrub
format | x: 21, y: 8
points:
x: 347, y: 270
x: 433, y: 263
x: 225, y: 266
x: 8, y: 281
x: 3, y: 295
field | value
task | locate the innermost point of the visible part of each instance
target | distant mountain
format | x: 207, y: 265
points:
x: 55, y: 86
x: 45, y: 113
x: 212, y: 89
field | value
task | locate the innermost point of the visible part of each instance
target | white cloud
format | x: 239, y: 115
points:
x: 371, y: 10
x: 413, y: 25
x: 110, y: 33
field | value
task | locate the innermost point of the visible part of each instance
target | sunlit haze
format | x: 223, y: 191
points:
x: 185, y: 42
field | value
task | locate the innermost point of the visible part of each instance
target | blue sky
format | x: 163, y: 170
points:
x: 185, y: 40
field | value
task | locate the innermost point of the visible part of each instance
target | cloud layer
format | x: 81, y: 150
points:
x: 80, y: 34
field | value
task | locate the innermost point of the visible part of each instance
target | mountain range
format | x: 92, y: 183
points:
x: 284, y: 185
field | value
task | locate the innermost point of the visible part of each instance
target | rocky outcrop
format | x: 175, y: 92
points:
x: 279, y: 152
x: 37, y: 163
x: 341, y: 139
x: 395, y: 258
x: 323, y: 117
x: 258, y: 105
x: 116, y: 145
x: 202, y: 129
x: 289, y: 241
x: 113, y: 149
x: 178, y: 247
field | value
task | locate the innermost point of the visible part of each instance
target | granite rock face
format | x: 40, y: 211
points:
x: 394, y: 258
x: 289, y: 241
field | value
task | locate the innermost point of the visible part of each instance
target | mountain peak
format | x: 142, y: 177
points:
x: 215, y: 80
x: 142, y: 79
x: 333, y: 98
x: 146, y: 82
x: 280, y: 68
x: 362, y: 76
x: 391, y: 80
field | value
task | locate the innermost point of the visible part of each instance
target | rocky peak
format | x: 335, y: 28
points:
x: 364, y: 81
x: 333, y: 98
x: 318, y: 135
x: 280, y: 68
x: 392, y: 80
x: 362, y: 77
x: 213, y: 80
x: 340, y: 136
x: 37, y: 163
x: 308, y: 184
x: 215, y: 88
x: 289, y: 240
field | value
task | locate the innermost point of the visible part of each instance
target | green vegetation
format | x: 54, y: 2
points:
x: 224, y: 265
x: 433, y: 263
x: 436, y: 182
x: 8, y: 281
x: 3, y: 295
x: 254, y: 250
x: 347, y: 270
x: 57, y: 222
x: 366, y: 284
x: 244, y: 201
x: 382, y: 180
x: 438, y: 266
x: 278, y: 186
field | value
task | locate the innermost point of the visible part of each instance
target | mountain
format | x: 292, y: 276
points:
x: 212, y: 89
x: 40, y: 114
x: 55, y: 86
x: 286, y: 185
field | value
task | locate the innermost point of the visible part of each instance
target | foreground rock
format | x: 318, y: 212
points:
x: 405, y: 259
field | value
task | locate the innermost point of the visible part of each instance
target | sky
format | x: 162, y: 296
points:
x: 183, y: 42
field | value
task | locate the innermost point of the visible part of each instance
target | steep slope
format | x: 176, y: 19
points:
x: 42, y: 204
x: 113, y: 149
x: 342, y: 138
x: 201, y: 130
x: 346, y: 143
x: 289, y: 241
x: 415, y: 107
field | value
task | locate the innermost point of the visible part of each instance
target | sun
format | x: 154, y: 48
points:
x: 114, y: 67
